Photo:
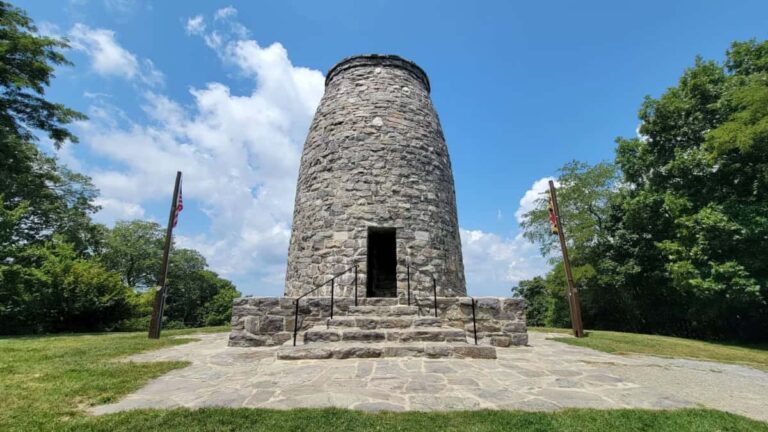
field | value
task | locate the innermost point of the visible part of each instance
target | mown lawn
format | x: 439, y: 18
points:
x: 666, y: 346
x: 334, y: 420
x: 47, y: 382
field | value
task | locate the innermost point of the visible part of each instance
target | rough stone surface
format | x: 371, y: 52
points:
x: 544, y: 376
x: 375, y: 156
x: 352, y: 350
x: 269, y: 321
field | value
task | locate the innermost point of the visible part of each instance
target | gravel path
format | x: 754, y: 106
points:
x: 546, y: 375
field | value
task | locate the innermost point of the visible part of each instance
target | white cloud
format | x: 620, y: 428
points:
x: 150, y: 75
x: 239, y: 154
x: 493, y: 265
x: 528, y: 201
x: 107, y: 56
x: 113, y: 209
x: 641, y: 137
x: 121, y: 6
x: 195, y: 25
x: 225, y: 13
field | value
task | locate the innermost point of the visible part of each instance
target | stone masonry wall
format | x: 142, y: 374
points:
x: 268, y: 321
x: 375, y: 156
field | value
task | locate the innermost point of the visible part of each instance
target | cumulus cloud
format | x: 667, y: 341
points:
x: 224, y: 28
x: 239, y: 153
x: 493, y: 265
x: 113, y: 209
x: 528, y: 201
x: 121, y: 6
x: 109, y: 58
x: 195, y: 25
x: 225, y: 13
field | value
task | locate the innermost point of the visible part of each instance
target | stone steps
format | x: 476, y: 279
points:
x: 374, y: 322
x: 379, y: 301
x: 383, y: 310
x: 354, y: 334
x: 343, y: 350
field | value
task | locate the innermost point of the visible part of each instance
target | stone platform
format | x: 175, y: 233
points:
x: 543, y: 375
x: 379, y: 327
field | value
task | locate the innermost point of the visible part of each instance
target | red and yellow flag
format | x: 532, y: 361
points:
x: 552, y: 216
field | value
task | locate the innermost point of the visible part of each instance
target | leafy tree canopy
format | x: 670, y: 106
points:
x: 27, y: 64
x: 673, y: 246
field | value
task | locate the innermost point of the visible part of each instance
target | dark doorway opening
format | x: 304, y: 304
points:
x: 382, y: 263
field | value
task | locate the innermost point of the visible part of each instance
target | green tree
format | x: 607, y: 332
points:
x: 695, y: 201
x: 27, y: 65
x: 537, y: 300
x: 134, y: 250
x: 673, y: 247
x: 54, y: 199
x: 48, y: 288
x: 192, y: 288
x: 583, y: 194
x: 218, y: 311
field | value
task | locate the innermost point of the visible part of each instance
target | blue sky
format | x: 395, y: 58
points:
x: 224, y: 91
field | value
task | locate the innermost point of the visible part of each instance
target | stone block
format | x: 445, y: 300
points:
x: 363, y: 335
x: 356, y: 352
x: 501, y: 341
x: 321, y: 336
x: 475, y: 351
x: 519, y: 339
x: 514, y: 327
x: 427, y: 322
x: 304, y: 354
x: 271, y: 324
x: 438, y: 351
x: 484, y: 326
x: 252, y: 324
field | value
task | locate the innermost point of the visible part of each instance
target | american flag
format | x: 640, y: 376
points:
x: 179, y: 207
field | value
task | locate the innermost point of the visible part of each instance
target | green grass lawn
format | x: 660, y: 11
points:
x: 47, y: 382
x: 665, y: 346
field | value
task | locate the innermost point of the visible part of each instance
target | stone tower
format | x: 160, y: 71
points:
x: 375, y: 187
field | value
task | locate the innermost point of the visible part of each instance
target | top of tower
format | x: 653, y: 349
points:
x: 387, y: 60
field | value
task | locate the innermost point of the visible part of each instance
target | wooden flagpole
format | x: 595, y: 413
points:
x: 156, y: 322
x: 574, y: 301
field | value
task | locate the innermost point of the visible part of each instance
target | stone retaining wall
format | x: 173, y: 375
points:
x: 268, y: 321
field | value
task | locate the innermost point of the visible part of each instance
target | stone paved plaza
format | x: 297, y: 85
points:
x: 546, y: 375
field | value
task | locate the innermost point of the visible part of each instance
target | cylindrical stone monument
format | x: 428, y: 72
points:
x: 375, y: 188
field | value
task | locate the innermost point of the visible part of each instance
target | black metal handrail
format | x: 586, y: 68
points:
x: 296, y: 313
x: 434, y: 296
x: 333, y: 289
x: 434, y: 286
x: 474, y: 322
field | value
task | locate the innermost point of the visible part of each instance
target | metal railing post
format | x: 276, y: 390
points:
x: 408, y: 273
x: 474, y: 322
x: 355, y: 284
x: 296, y: 322
x: 332, y: 297
x: 434, y: 289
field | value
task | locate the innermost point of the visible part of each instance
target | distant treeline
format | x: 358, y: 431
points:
x: 672, y: 236
x: 60, y: 271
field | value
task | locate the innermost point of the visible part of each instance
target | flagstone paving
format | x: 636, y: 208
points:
x: 544, y: 376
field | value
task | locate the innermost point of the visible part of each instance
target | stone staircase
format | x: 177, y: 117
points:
x: 380, y: 327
